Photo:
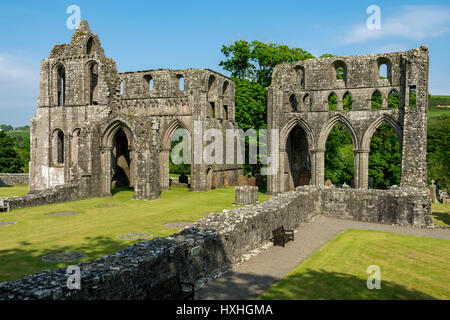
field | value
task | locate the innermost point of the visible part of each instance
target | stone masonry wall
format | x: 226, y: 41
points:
x: 56, y: 194
x: 14, y: 178
x: 218, y: 242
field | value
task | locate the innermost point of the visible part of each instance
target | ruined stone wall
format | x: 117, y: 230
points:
x: 84, y: 101
x: 14, y: 178
x: 298, y: 97
x: 56, y: 194
x: 218, y: 242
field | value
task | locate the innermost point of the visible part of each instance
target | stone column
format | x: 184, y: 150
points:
x: 106, y: 171
x: 246, y: 195
x: 361, y: 174
x: 164, y: 169
x: 318, y: 168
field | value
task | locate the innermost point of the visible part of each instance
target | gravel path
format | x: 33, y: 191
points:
x: 253, y: 277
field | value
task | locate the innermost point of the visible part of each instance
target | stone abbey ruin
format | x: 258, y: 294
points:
x: 88, y: 133
x: 95, y: 126
x: 298, y: 108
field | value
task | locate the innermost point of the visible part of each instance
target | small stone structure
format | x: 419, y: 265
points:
x: 14, y: 178
x: 98, y: 128
x: 245, y: 195
x: 220, y: 241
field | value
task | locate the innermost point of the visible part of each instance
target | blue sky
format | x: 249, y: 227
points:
x: 179, y: 34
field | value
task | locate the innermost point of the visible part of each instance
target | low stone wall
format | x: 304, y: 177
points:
x: 53, y: 195
x: 401, y: 206
x: 14, y: 178
x: 218, y: 242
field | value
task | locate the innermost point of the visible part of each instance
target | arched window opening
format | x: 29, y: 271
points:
x: 332, y: 101
x: 121, y: 161
x: 180, y: 82
x: 90, y: 46
x: 74, y: 146
x: 412, y: 96
x: 384, y: 158
x: 148, y: 82
x: 121, y: 87
x: 376, y: 100
x: 211, y: 110
x: 348, y: 101
x: 58, y: 145
x: 179, y: 173
x: 212, y: 88
x: 300, y: 76
x: 307, y: 103
x: 393, y: 99
x: 383, y: 71
x: 225, y: 112
x: 225, y: 88
x: 299, y: 159
x: 340, y: 71
x: 92, y: 84
x: 339, y: 157
x: 61, y: 86
x: 294, y: 103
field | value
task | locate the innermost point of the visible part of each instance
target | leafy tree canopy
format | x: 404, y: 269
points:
x: 256, y: 60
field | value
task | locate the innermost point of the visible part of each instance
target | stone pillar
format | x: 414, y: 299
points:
x: 106, y: 171
x: 361, y: 174
x: 246, y: 195
x: 164, y: 169
x: 384, y: 103
x: 318, y: 168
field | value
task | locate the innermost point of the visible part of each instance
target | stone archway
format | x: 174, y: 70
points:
x: 118, y: 158
x: 298, y: 171
x: 164, y: 157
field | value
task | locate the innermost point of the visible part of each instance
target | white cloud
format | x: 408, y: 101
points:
x: 19, y: 82
x: 415, y: 22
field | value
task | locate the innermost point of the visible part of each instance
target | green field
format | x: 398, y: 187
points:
x: 24, y: 133
x: 411, y: 267
x: 94, y: 230
x: 12, y: 191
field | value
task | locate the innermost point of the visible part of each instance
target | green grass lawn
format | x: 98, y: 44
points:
x: 95, y: 229
x: 14, y: 190
x: 441, y: 214
x: 411, y: 268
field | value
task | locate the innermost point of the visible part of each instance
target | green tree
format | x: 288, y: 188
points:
x: 339, y: 158
x: 10, y: 161
x: 384, y: 157
x: 256, y: 60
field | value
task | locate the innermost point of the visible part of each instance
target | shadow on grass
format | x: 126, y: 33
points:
x: 312, y: 285
x: 25, y: 260
x: 327, y: 285
x: 6, y: 186
x: 120, y: 189
x: 444, y: 217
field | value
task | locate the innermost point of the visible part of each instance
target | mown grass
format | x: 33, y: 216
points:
x: 441, y: 214
x: 14, y: 190
x: 94, y: 230
x: 411, y: 268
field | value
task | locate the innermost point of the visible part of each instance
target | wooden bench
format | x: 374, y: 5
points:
x: 4, y: 206
x: 281, y: 236
x: 171, y: 289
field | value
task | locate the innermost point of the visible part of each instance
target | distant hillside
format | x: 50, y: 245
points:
x: 23, y: 132
x: 435, y: 101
